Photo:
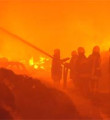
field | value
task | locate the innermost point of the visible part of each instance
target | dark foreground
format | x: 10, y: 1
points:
x: 22, y: 97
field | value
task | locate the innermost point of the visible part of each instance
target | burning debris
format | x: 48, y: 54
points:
x: 40, y: 64
x: 33, y: 66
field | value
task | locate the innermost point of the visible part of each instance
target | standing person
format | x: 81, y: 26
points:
x: 109, y: 68
x: 95, y: 68
x: 72, y: 66
x: 82, y: 72
x: 56, y: 69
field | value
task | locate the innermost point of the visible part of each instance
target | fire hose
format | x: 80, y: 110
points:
x: 29, y: 44
x: 38, y: 49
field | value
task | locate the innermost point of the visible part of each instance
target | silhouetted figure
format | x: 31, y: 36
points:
x: 65, y: 74
x: 72, y: 66
x: 56, y: 70
x: 82, y: 72
x: 95, y: 68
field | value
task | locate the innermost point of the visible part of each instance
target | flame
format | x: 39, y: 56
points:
x: 42, y: 60
x: 36, y: 66
x: 31, y: 62
x: 40, y: 64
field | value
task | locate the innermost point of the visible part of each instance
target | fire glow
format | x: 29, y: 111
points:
x: 40, y: 64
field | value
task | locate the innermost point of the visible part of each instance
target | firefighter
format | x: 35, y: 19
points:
x: 82, y: 72
x: 56, y: 69
x: 72, y: 66
x: 95, y: 68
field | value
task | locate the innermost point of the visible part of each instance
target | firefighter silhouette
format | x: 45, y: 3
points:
x: 65, y: 74
x: 56, y: 69
x: 72, y: 66
x: 82, y: 72
x: 59, y: 66
x: 95, y: 68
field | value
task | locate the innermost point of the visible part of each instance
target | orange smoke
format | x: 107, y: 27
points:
x: 54, y: 24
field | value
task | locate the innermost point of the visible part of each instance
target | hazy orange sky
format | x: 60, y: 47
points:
x: 49, y: 24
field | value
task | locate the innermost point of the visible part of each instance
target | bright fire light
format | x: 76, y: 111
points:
x: 40, y: 64
x: 36, y: 66
x: 31, y: 62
